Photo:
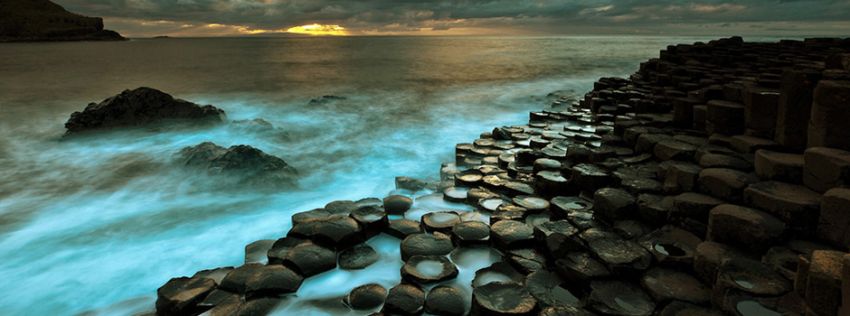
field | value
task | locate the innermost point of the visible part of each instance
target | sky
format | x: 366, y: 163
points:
x: 141, y: 18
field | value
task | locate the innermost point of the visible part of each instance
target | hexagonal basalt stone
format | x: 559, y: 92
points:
x: 181, y: 296
x: 580, y: 267
x: 424, y: 244
x: 428, y: 269
x: 590, y: 178
x: 671, y: 246
x: 499, y: 272
x: 405, y: 299
x: 612, y: 204
x: 309, y: 259
x: 372, y: 218
x: 564, y: 311
x: 337, y: 232
x: 509, y: 234
x: 502, y: 299
x: 531, y: 203
x: 666, y: 285
x: 621, y: 256
x: 455, y: 194
x: 471, y: 232
x: 669, y: 149
x: 526, y: 260
x: 750, y: 228
x: 562, y: 206
x: 401, y: 228
x: 397, y: 204
x: 547, y: 288
x: 367, y: 296
x: 619, y: 298
x: 748, y: 276
x: 358, y: 257
x: 445, y: 300
x: 557, y: 237
x: 796, y: 205
x: 271, y: 280
x: 440, y: 221
x: 726, y: 184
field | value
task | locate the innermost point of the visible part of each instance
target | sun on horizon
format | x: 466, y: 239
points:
x: 319, y: 29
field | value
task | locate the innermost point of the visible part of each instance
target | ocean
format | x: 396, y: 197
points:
x: 96, y: 224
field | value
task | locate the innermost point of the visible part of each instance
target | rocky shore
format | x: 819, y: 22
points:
x: 712, y: 181
x: 43, y: 20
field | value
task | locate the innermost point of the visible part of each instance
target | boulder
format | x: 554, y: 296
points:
x: 499, y: 299
x: 242, y: 164
x: 367, y: 296
x: 405, y: 299
x: 397, y: 204
x: 834, y: 223
x: 445, y: 300
x: 771, y: 165
x: 139, y: 107
x: 257, y: 252
x: 826, y: 168
x: 750, y: 228
x: 830, y: 111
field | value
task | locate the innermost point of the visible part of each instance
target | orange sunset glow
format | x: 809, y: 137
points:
x: 319, y: 29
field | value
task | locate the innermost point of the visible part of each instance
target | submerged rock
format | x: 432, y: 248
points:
x: 247, y: 165
x: 142, y: 106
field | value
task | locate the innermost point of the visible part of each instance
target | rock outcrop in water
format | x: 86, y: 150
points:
x: 139, y: 107
x: 711, y: 182
x: 242, y: 164
x: 43, y: 20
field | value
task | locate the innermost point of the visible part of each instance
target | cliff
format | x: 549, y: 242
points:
x: 43, y: 20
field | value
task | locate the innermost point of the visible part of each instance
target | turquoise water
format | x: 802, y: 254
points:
x: 97, y: 224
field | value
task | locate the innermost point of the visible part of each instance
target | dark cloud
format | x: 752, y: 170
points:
x: 534, y: 16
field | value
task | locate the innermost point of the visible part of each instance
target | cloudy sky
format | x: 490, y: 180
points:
x: 469, y: 17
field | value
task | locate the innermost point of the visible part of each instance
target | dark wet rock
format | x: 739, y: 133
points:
x: 358, y: 257
x: 180, y: 296
x: 557, y: 237
x: 796, y: 205
x: 428, y: 269
x: 824, y: 281
x: 708, y: 258
x: 502, y: 299
x: 425, y: 244
x: 526, y: 260
x: 580, y: 267
x: 216, y: 274
x: 590, y: 178
x: 219, y: 297
x: 619, y: 298
x: 694, y: 205
x: 397, y: 204
x: 42, y: 20
x: 336, y: 232
x: 367, y: 296
x: 228, y: 305
x: 666, y: 285
x: 410, y: 184
x: 501, y: 272
x: 687, y: 309
x: 140, y: 107
x: 445, y: 300
x: 748, y: 276
x: 612, y: 204
x: 371, y: 218
x: 258, y: 306
x: 564, y: 311
x: 549, y: 183
x: 674, y: 150
x: 344, y: 207
x: 508, y: 234
x: 326, y: 99
x: 469, y: 178
x: 782, y: 260
x: 750, y: 228
x: 562, y: 206
x: 471, y: 232
x: 671, y: 246
x: 725, y: 161
x: 621, y: 256
x: 513, y: 188
x: 248, y: 166
x: 549, y: 290
x: 630, y: 229
x: 491, y: 204
x: 639, y: 185
x: 726, y: 184
x: 533, y: 204
x: 680, y: 177
x: 655, y: 209
x: 257, y: 252
x: 826, y: 168
x: 771, y: 165
x: 314, y: 215
x: 405, y: 299
x: 281, y: 247
x: 401, y: 228
x: 260, y: 280
x: 834, y: 223
x: 440, y: 221
x: 309, y: 259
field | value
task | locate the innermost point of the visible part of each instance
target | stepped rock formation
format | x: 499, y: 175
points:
x: 138, y: 107
x: 677, y: 191
x: 43, y: 20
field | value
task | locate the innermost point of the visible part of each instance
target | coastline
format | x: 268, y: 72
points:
x: 624, y: 162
